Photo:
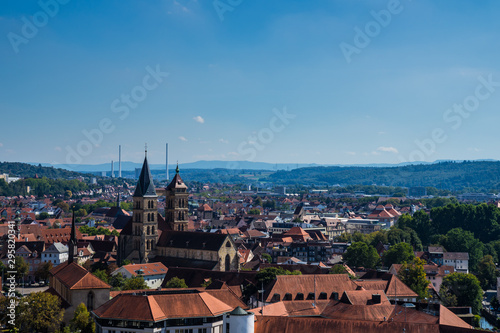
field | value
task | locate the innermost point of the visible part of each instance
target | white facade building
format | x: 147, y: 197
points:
x: 57, y: 253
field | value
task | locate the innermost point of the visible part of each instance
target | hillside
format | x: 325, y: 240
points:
x: 24, y: 170
x: 473, y: 176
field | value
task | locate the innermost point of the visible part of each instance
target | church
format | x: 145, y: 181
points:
x: 150, y: 237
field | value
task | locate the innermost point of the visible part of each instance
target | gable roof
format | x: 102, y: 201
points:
x: 75, y: 276
x: 393, y: 287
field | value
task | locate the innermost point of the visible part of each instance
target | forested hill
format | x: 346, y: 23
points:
x: 24, y: 170
x: 477, y: 175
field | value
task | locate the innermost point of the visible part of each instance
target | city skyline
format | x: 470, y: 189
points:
x: 286, y: 82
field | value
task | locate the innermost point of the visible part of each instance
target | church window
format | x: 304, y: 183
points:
x: 152, y: 230
x: 228, y: 263
x: 90, y: 301
x: 147, y: 230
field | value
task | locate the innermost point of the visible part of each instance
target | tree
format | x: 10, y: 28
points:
x: 101, y: 274
x: 338, y: 269
x: 43, y: 216
x: 486, y: 272
x: 207, y: 283
x: 267, y: 257
x: 40, y: 312
x: 465, y: 288
x: 117, y: 281
x: 22, y: 267
x: 459, y: 240
x: 175, y: 282
x: 268, y: 274
x: 413, y: 275
x: 135, y: 283
x: 398, y: 254
x: 82, y: 321
x: 42, y: 273
x: 361, y: 254
x: 64, y: 206
x: 254, y: 211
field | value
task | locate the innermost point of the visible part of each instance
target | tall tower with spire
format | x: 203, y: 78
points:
x: 73, y: 249
x: 145, y: 215
x: 176, y: 203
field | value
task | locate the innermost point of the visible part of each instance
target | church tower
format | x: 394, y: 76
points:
x: 176, y: 203
x: 72, y: 246
x: 145, y: 215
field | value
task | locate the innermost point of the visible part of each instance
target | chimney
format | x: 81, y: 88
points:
x: 119, y: 161
x: 376, y: 299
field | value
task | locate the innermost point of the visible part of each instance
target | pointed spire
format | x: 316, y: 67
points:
x: 177, y: 169
x: 118, y: 201
x: 145, y: 186
x: 72, y: 239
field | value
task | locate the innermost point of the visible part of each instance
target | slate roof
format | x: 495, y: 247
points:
x: 176, y: 182
x: 145, y: 186
x: 192, y: 240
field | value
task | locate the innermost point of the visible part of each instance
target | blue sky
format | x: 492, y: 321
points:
x: 233, y: 66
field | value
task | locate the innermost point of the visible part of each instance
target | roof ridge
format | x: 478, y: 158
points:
x: 205, y: 301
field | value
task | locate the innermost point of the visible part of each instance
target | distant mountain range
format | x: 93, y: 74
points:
x: 238, y: 165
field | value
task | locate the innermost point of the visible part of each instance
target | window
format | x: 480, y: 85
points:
x: 299, y: 297
x: 90, y: 301
x: 288, y: 297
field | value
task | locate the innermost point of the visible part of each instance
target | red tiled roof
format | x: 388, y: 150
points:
x: 75, y: 276
x: 153, y: 268
x: 305, y: 284
x: 158, y: 307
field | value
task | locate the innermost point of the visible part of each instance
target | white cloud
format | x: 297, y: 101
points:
x: 388, y: 149
x: 223, y: 141
x: 57, y: 148
x: 351, y: 153
x: 1, y: 144
x: 182, y: 138
x: 199, y: 119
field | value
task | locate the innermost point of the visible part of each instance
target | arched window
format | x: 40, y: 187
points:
x: 228, y: 263
x: 147, y: 231
x: 152, y: 230
x: 147, y: 244
x: 90, y: 301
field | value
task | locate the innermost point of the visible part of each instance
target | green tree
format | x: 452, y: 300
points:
x: 42, y: 273
x: 64, y: 206
x: 459, y: 240
x: 361, y: 254
x: 43, y: 216
x: 82, y: 321
x: 269, y: 274
x: 486, y: 272
x: 254, y: 211
x: 465, y: 289
x: 175, y: 282
x: 397, y: 254
x: 135, y: 283
x: 22, y: 267
x: 101, y: 274
x: 117, y: 281
x: 40, y: 312
x: 206, y: 283
x: 413, y: 275
x: 338, y: 269
x: 267, y: 257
